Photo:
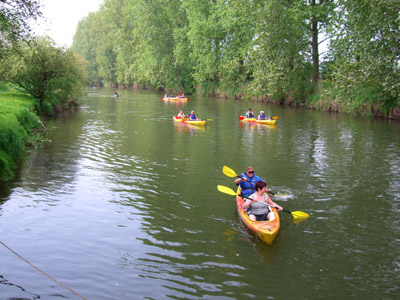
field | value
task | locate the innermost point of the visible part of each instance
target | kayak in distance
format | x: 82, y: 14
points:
x: 254, y: 120
x: 178, y: 98
x: 187, y: 121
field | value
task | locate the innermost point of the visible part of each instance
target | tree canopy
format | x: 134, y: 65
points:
x: 14, y: 18
x: 258, y: 48
x: 52, y: 75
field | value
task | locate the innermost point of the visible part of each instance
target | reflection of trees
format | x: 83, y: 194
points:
x: 56, y: 163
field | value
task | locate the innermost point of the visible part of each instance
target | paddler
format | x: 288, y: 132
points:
x: 247, y: 181
x: 249, y: 113
x: 181, y: 115
x: 258, y: 206
x: 192, y: 116
x: 261, y: 116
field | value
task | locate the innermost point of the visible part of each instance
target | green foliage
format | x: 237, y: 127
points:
x: 261, y: 48
x: 52, y: 75
x: 366, y: 53
x: 18, y: 122
x: 281, y: 60
x: 14, y: 22
x: 85, y: 44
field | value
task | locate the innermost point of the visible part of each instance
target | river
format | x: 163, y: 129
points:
x: 122, y: 203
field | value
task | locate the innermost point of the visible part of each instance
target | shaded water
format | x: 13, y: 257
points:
x: 122, y: 204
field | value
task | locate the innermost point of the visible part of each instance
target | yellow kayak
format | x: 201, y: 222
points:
x: 265, y: 230
x: 187, y: 121
x: 175, y: 99
x: 253, y: 120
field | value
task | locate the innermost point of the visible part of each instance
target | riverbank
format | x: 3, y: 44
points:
x: 324, y: 100
x: 20, y: 128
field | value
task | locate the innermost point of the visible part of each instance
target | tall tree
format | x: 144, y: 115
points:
x: 238, y: 18
x: 14, y: 21
x: 281, y: 58
x: 85, y: 45
x: 52, y: 75
x: 158, y: 25
x: 367, y: 53
x: 321, y: 13
x: 206, y: 35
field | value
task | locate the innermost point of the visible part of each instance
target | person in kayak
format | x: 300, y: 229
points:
x: 247, y: 181
x: 257, y: 207
x: 181, y: 115
x: 192, y: 116
x: 116, y: 94
x: 262, y: 116
x: 249, y: 114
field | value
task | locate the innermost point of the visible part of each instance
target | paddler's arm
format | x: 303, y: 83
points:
x: 237, y: 181
x: 272, y: 203
x: 247, y: 203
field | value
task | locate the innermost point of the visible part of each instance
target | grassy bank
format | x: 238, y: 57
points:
x: 19, y: 128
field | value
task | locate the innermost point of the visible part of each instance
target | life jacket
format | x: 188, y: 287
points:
x: 249, y: 187
x: 249, y: 115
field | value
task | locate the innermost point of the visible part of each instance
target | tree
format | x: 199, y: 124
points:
x: 157, y: 25
x: 281, y: 58
x: 85, y: 45
x: 320, y: 17
x: 14, y: 18
x: 52, y: 75
x: 366, y: 53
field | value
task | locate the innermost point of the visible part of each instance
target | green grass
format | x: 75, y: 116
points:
x: 18, y: 125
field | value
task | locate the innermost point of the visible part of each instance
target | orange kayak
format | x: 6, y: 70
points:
x: 265, y: 230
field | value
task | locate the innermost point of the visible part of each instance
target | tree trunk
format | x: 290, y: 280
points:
x: 314, y: 45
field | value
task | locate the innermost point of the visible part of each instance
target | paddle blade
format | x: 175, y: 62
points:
x: 299, y: 216
x: 229, y: 172
x: 226, y: 190
x: 241, y: 118
x: 275, y: 118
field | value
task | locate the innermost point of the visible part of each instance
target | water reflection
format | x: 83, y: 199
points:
x: 184, y: 127
x: 123, y: 203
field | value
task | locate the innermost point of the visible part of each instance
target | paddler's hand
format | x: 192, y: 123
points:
x: 244, y: 178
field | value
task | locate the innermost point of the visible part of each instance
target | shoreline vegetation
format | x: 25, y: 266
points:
x: 338, y: 56
x: 255, y: 50
x: 20, y: 129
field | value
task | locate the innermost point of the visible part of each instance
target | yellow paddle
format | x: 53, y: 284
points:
x: 298, y: 216
x: 230, y: 173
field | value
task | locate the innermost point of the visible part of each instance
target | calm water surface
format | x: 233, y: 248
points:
x: 123, y: 204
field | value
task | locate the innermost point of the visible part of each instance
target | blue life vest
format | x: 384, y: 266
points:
x: 249, y: 187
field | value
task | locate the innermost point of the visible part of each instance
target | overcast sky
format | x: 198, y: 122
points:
x: 61, y: 18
